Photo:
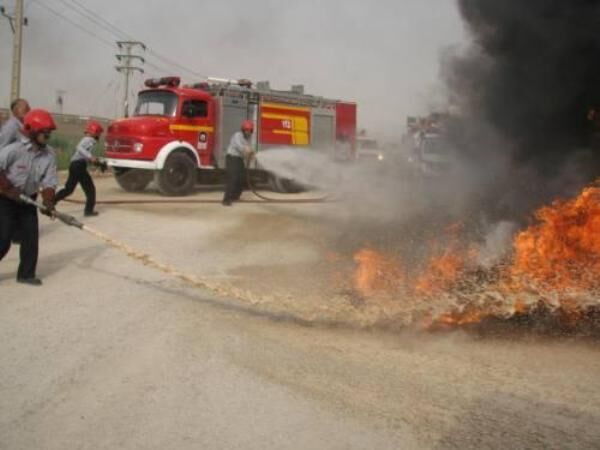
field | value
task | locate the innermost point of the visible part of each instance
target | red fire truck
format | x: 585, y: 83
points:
x: 178, y: 133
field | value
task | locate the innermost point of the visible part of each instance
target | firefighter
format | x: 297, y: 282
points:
x: 26, y: 167
x: 78, y: 169
x: 9, y: 132
x: 239, y: 150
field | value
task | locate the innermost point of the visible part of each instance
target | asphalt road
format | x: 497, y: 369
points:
x: 112, y: 354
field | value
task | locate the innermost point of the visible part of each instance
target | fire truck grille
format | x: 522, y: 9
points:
x: 119, y: 145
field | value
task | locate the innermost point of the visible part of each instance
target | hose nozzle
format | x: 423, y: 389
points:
x: 64, y: 218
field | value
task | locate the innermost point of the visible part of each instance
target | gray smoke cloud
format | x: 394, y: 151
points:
x: 390, y: 192
x: 523, y: 88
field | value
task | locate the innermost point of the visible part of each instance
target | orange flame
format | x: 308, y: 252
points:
x: 377, y: 273
x: 557, y: 257
x: 441, y: 274
x: 445, y: 267
x: 461, y: 318
x: 562, y: 251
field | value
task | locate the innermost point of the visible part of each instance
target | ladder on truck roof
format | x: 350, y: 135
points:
x: 262, y: 91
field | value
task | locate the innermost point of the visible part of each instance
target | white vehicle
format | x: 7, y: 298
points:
x: 368, y: 149
x: 434, y: 155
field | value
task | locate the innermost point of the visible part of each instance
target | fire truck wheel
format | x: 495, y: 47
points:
x: 178, y: 176
x: 284, y: 185
x: 133, y: 180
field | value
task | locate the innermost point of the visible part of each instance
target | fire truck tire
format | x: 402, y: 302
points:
x: 284, y: 185
x: 178, y: 176
x: 133, y: 180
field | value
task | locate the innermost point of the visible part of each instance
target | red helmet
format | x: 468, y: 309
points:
x: 248, y: 125
x: 94, y: 129
x: 36, y: 121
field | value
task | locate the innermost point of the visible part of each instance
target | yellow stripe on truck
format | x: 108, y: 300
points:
x: 298, y: 138
x: 284, y: 107
x: 198, y: 128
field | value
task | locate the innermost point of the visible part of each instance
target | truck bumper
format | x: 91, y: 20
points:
x: 131, y: 164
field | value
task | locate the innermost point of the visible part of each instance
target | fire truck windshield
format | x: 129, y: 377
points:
x: 156, y: 103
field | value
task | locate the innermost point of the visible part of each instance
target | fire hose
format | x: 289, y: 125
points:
x: 252, y: 186
x: 129, y: 251
x: 263, y: 198
x: 64, y: 218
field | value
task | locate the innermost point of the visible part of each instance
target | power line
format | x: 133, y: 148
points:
x: 116, y: 32
x: 119, y: 33
x: 106, y: 26
x: 90, y: 33
x: 69, y: 7
x: 170, y: 61
x: 75, y: 24
x: 100, y: 19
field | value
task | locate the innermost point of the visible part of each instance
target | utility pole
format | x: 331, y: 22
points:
x: 60, y: 100
x: 17, y: 22
x: 127, y: 60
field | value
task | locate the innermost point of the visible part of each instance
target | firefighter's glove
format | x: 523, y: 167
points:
x: 7, y: 189
x: 49, y: 202
x: 13, y: 193
x: 100, y: 164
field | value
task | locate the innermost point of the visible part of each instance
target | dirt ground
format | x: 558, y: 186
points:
x: 110, y: 353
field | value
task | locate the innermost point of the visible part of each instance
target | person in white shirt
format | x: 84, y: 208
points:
x: 27, y: 166
x: 239, y: 150
x: 11, y: 129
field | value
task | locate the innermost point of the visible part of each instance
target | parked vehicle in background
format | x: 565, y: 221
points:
x: 434, y: 155
x: 368, y: 149
x: 427, y: 146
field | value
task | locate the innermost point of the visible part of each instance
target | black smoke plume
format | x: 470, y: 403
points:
x: 533, y: 75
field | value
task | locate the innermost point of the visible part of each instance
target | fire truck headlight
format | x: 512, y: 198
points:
x: 138, y: 147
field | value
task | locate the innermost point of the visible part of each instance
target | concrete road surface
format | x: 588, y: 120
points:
x: 111, y: 354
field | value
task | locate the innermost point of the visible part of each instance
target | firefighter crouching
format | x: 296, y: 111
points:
x: 78, y: 169
x: 26, y: 167
x: 240, y: 149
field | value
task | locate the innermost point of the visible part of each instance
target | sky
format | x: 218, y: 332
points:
x: 382, y: 54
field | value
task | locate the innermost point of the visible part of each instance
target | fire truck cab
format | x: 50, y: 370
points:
x: 177, y: 133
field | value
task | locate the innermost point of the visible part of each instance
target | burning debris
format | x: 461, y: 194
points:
x: 528, y: 90
x: 377, y: 273
x: 551, y: 277
x: 562, y: 251
x: 446, y: 265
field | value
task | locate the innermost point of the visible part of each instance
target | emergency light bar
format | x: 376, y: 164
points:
x: 172, y: 82
x: 242, y: 82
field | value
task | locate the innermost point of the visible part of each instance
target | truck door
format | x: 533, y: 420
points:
x: 197, y: 128
x: 233, y: 109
